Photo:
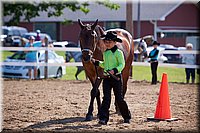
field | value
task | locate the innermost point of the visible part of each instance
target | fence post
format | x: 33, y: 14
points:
x: 46, y: 59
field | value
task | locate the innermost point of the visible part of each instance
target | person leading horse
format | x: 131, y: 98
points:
x: 92, y: 46
x: 113, y: 63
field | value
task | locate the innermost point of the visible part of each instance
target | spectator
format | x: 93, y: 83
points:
x: 189, y: 59
x: 153, y: 55
x: 198, y: 63
x: 31, y: 56
x: 45, y: 41
x: 38, y: 36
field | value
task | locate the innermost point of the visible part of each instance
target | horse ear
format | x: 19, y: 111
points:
x: 81, y: 24
x: 94, y: 25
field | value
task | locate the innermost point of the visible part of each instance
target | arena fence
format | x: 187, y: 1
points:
x: 72, y: 49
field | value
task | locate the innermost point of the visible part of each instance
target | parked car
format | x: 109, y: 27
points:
x: 42, y: 35
x: 172, y: 58
x: 65, y: 44
x: 9, y: 71
x: 167, y: 46
x: 11, y: 35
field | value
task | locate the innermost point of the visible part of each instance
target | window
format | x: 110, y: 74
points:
x: 16, y: 32
x: 49, y: 28
x: 111, y: 25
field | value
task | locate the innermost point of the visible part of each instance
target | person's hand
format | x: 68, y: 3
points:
x: 111, y: 72
x: 93, y: 60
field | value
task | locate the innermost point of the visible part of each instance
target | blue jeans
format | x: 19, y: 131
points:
x: 190, y: 71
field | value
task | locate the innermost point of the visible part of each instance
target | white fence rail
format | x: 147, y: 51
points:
x: 80, y: 63
x: 78, y: 49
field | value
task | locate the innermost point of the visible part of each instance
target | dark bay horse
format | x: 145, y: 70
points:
x: 77, y: 56
x: 93, y: 47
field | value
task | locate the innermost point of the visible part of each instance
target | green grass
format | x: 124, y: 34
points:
x: 139, y: 72
x: 5, y: 54
x: 173, y: 74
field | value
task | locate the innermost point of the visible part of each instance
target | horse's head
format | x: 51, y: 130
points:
x: 88, y: 39
x: 142, y: 43
x: 141, y: 46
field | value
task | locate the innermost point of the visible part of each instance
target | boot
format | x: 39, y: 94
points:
x: 187, y: 81
x: 193, y: 80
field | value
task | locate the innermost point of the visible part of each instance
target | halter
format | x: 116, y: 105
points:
x: 89, y: 50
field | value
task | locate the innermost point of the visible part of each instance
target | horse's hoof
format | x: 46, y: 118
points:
x: 89, y: 118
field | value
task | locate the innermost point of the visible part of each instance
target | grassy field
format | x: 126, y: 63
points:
x: 139, y: 72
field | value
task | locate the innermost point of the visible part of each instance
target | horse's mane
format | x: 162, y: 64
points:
x: 99, y: 30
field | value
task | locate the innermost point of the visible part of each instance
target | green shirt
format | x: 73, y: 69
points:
x: 113, y: 59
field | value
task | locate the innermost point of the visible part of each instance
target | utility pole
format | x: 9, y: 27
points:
x: 129, y: 22
x: 129, y: 16
x: 138, y: 20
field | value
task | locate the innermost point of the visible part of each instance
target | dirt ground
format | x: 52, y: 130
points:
x: 61, y: 106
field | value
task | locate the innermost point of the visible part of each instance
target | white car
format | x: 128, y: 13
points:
x: 9, y: 71
x: 65, y: 44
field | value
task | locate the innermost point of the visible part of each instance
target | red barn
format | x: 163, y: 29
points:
x: 170, y: 23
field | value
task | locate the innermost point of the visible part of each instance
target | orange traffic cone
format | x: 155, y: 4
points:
x: 163, y: 111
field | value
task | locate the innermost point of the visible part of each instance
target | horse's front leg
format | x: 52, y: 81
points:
x: 94, y: 93
x: 98, y: 98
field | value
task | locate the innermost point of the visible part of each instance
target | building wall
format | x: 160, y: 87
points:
x: 28, y: 26
x: 146, y: 28
x: 71, y: 32
x: 185, y: 17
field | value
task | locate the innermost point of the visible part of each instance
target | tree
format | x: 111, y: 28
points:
x: 18, y: 10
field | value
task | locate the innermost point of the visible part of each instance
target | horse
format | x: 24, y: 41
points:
x: 92, y: 46
x: 143, y: 42
x: 77, y: 56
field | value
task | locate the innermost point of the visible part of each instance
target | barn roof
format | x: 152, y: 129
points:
x: 148, y: 11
